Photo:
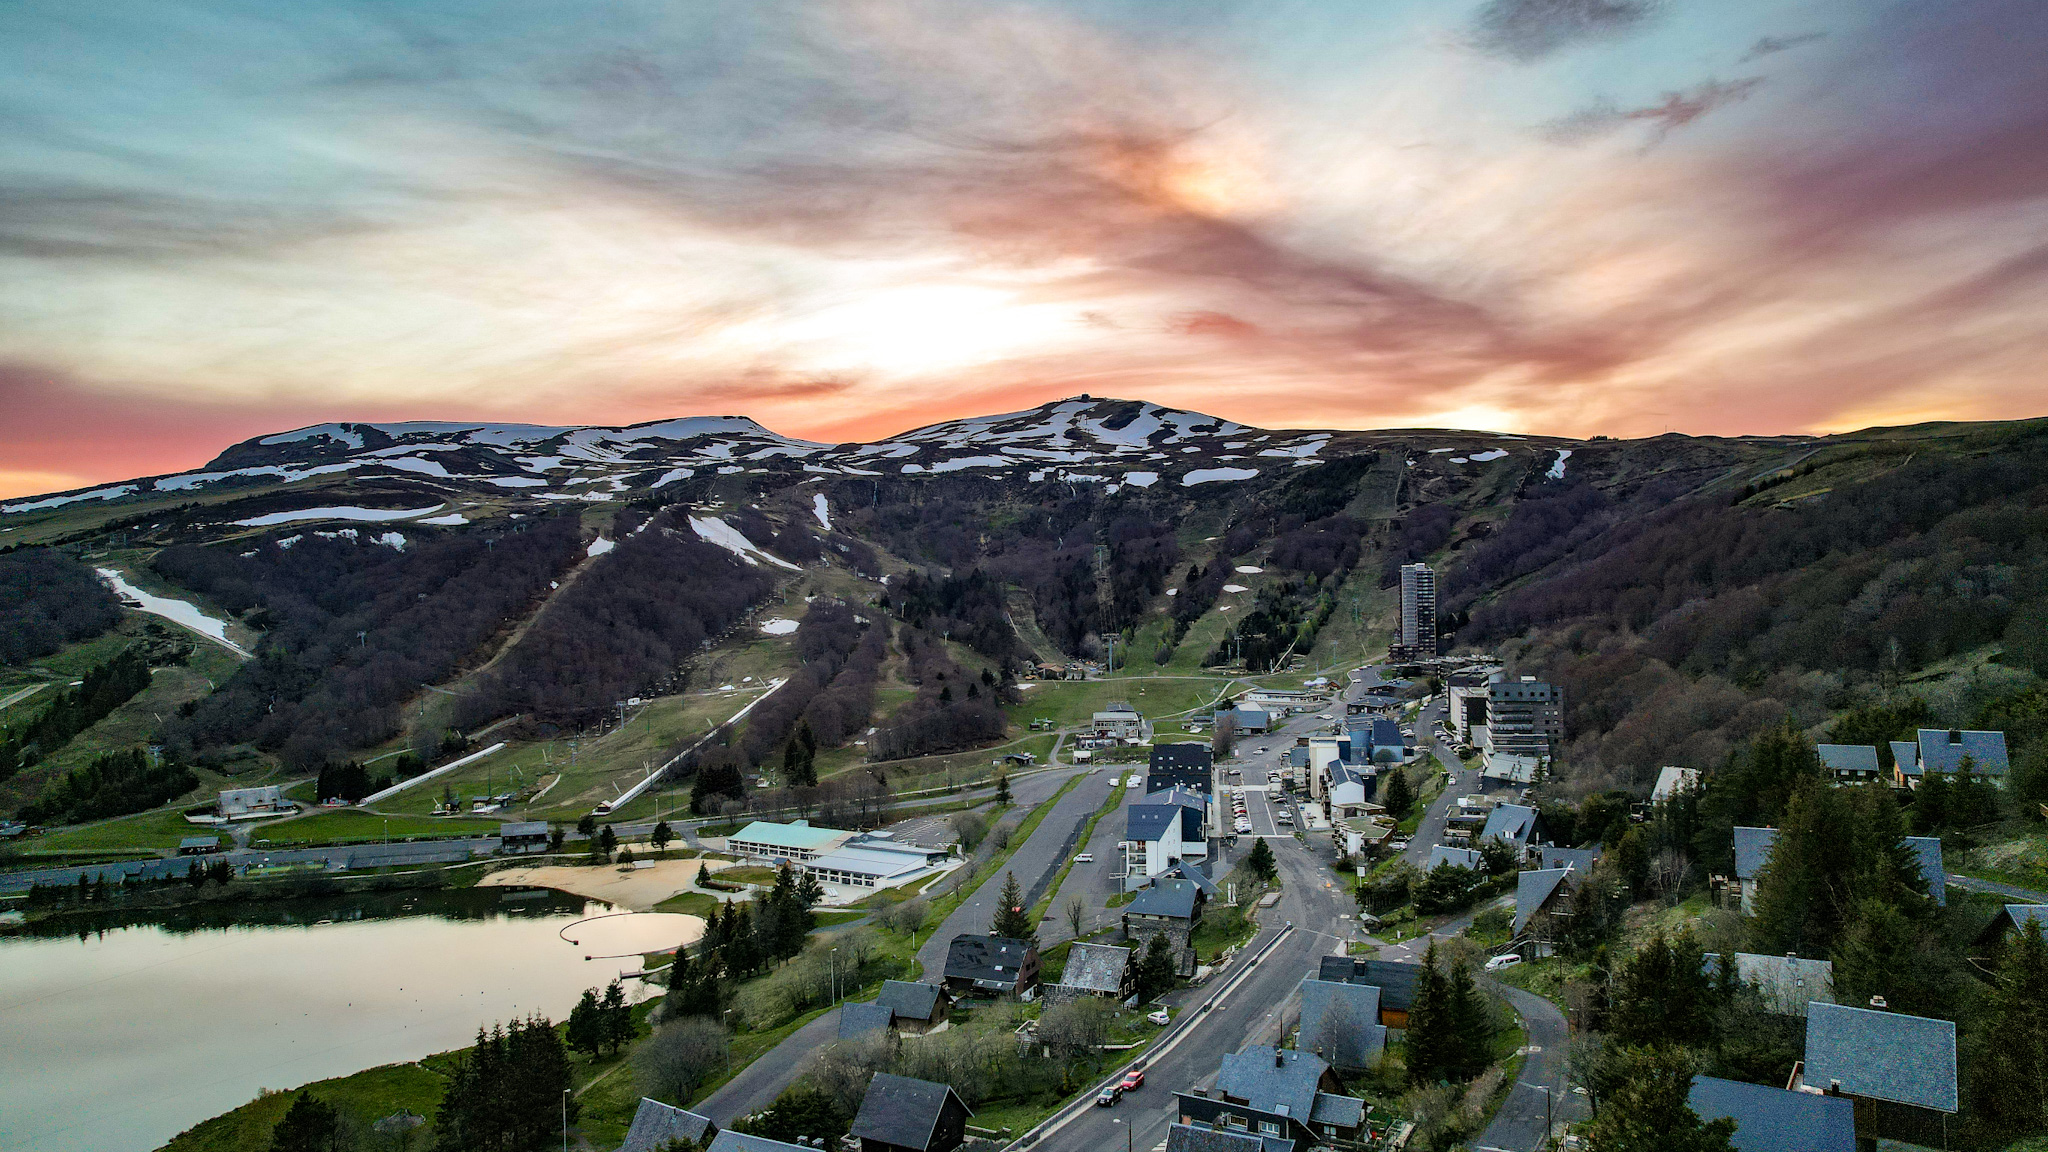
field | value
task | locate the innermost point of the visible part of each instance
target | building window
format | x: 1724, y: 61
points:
x: 1268, y: 1128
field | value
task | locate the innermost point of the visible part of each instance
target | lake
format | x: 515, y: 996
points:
x: 117, y: 1038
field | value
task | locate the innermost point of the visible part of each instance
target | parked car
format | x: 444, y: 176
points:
x: 1085, y: 858
x: 1133, y: 1080
x: 1160, y: 1018
x: 1109, y: 1096
x: 1500, y: 962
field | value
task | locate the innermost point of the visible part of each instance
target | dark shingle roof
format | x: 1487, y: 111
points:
x: 1515, y: 823
x: 1182, y: 755
x: 1251, y: 1076
x: 1165, y: 898
x: 1096, y: 967
x: 909, y: 1000
x: 655, y: 1124
x: 1848, y: 757
x: 1753, y: 851
x: 1340, y: 1022
x: 1190, y: 1138
x: 1582, y: 859
x: 977, y: 957
x: 1190, y: 871
x: 1175, y: 794
x: 1396, y: 982
x: 1148, y: 822
x: 1927, y: 849
x: 1942, y: 750
x: 1444, y: 854
x: 1882, y: 1055
x: 1532, y: 888
x: 901, y: 1111
x: 863, y: 1020
x: 1343, y: 1111
x: 1774, y: 1120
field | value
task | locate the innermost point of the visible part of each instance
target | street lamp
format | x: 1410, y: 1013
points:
x: 1129, y: 1139
x: 835, y: 977
x: 565, y: 1120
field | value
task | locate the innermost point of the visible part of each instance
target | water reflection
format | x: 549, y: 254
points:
x: 122, y: 1033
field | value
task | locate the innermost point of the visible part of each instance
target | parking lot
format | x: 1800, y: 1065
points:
x: 1262, y: 805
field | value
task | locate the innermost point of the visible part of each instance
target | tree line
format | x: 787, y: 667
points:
x: 114, y: 784
x: 104, y: 687
x: 952, y: 710
x: 48, y: 600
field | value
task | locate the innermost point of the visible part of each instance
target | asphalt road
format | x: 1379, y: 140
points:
x: 1972, y: 884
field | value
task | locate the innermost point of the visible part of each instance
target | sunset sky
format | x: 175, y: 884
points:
x: 850, y: 217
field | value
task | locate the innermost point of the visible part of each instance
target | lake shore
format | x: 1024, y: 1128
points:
x: 639, y: 887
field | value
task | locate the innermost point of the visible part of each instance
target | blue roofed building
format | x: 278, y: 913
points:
x: 1752, y: 852
x: 1543, y: 905
x: 1851, y: 763
x: 1775, y: 1120
x: 857, y: 1020
x: 1900, y: 1069
x: 1946, y: 750
x: 1340, y: 1022
x: 1169, y: 908
x: 1514, y: 824
x: 1277, y: 1095
x: 656, y: 1125
x: 1927, y: 850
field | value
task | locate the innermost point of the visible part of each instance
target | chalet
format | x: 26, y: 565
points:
x: 1100, y: 970
x: 1287, y: 1098
x: 1899, y: 1071
x: 990, y: 965
x: 1246, y: 720
x: 858, y: 1020
x: 1947, y: 751
x: 1515, y: 824
x: 252, y: 803
x: 1195, y: 1138
x: 915, y: 1008
x: 1776, y: 1120
x: 1340, y: 1022
x: 1752, y: 852
x: 2011, y: 918
x: 1851, y: 763
x: 1396, y: 983
x: 904, y: 1115
x: 1169, y: 907
x: 1582, y: 859
x: 523, y: 836
x: 1119, y: 720
x: 656, y: 1125
x: 1674, y: 782
x: 741, y: 1142
x: 198, y: 845
x: 1443, y: 855
x: 1181, y: 765
x: 1543, y: 907
x: 1787, y: 984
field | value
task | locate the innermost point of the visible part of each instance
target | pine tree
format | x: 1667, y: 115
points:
x: 584, y: 1033
x: 1470, y: 1023
x: 1399, y: 797
x: 1428, y: 1041
x: 662, y: 835
x: 1648, y: 1109
x: 619, y: 1028
x: 1156, y: 970
x: 1260, y: 860
x: 1003, y: 790
x: 1012, y: 921
x: 1664, y: 995
x: 2009, y: 1090
x: 309, y: 1125
x: 607, y: 840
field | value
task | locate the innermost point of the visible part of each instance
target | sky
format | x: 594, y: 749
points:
x: 850, y: 218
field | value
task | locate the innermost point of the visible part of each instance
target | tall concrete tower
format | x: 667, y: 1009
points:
x: 1418, y: 612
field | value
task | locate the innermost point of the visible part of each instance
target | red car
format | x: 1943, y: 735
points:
x: 1133, y: 1080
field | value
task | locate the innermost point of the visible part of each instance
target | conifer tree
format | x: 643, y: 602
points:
x: 661, y: 836
x: 1648, y: 1108
x: 1664, y: 995
x: 1156, y: 971
x: 1003, y: 790
x: 617, y: 1018
x: 2009, y: 1089
x: 1399, y: 797
x: 1470, y: 1023
x: 309, y: 1125
x: 1428, y: 1040
x: 585, y: 1034
x: 1260, y: 860
x: 1012, y: 920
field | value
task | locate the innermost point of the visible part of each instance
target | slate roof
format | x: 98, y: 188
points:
x: 1906, y: 754
x: 863, y: 1019
x: 1444, y: 854
x: 901, y: 1111
x: 1178, y: 795
x: 1515, y: 823
x: 1182, y: 755
x: 740, y: 1142
x: 1753, y: 851
x: 1165, y: 898
x: 910, y: 1000
x: 1386, y: 734
x: 1148, y: 822
x: 973, y: 956
x: 1849, y: 757
x: 1351, y: 1013
x: 655, y: 1124
x: 1193, y: 1138
x: 1343, y: 1111
x: 1942, y: 750
x: 1396, y: 982
x: 1775, y: 1120
x: 1882, y: 1055
x: 2021, y: 913
x: 1190, y: 871
x: 1582, y: 859
x: 1096, y: 967
x: 1250, y: 1076
x: 1927, y: 849
x: 1532, y: 888
x: 1788, y: 983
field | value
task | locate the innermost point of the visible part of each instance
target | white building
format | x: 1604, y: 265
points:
x: 1159, y: 832
x: 1119, y: 720
x: 796, y: 842
x: 250, y: 803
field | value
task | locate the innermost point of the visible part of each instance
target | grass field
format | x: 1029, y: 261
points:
x: 150, y: 830
x: 347, y: 824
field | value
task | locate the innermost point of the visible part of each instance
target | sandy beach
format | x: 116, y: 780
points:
x: 640, y: 888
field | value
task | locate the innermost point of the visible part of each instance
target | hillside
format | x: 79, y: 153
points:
x: 418, y: 584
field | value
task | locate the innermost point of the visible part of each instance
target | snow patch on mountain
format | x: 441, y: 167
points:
x: 1557, y: 469
x: 1211, y: 475
x: 822, y: 510
x: 712, y: 530
x: 342, y: 513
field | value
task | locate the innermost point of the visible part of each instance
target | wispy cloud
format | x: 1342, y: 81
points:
x: 1529, y: 30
